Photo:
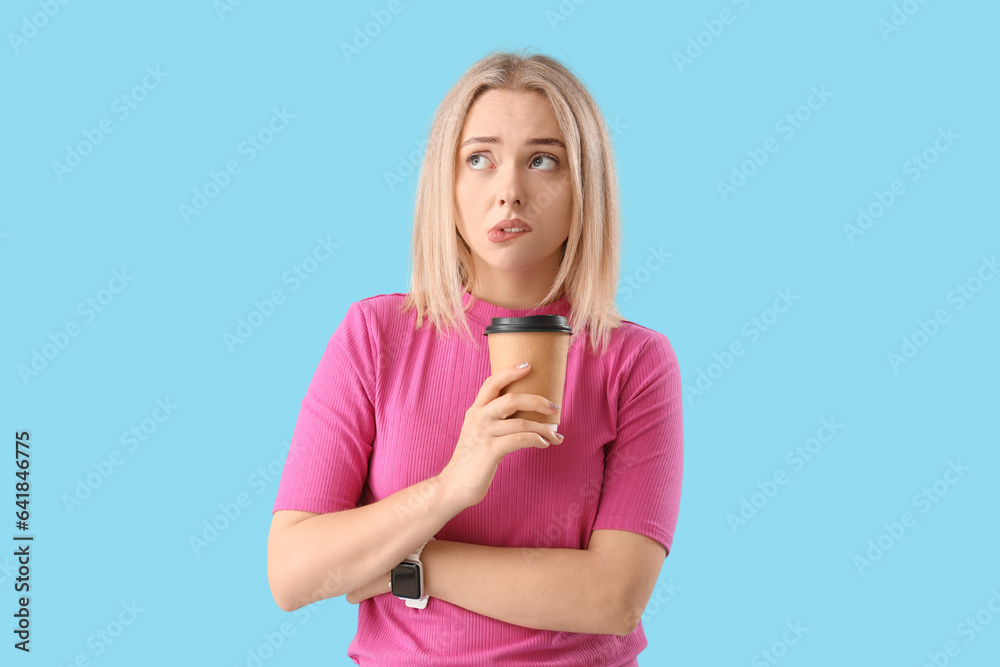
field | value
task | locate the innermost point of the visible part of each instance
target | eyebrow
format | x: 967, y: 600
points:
x: 529, y: 142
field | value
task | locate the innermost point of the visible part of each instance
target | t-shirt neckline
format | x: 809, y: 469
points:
x: 484, y: 311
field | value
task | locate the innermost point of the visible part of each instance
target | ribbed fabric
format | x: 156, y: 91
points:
x: 384, y: 411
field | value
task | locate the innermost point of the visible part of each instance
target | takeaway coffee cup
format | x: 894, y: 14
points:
x: 542, y: 341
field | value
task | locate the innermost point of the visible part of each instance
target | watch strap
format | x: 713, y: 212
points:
x: 414, y: 557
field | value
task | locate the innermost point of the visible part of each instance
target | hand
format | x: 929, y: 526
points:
x: 370, y: 590
x: 487, y: 436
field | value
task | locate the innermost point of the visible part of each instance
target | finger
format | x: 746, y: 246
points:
x: 494, y: 383
x: 506, y: 405
x: 515, y: 441
x: 511, y: 426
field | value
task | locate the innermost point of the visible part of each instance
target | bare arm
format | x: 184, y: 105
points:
x: 312, y: 556
x: 566, y: 590
x: 602, y: 590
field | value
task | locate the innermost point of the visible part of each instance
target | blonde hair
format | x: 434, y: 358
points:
x: 588, y: 273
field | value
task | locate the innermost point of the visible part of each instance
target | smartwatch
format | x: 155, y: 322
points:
x: 406, y: 580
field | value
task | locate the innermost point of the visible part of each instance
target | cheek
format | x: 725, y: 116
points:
x: 465, y: 191
x: 564, y: 203
x: 563, y: 194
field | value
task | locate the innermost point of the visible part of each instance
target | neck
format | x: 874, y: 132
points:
x: 515, y: 291
x: 514, y: 297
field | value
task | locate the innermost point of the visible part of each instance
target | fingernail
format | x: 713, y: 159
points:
x: 560, y: 436
x: 554, y: 406
x: 523, y: 365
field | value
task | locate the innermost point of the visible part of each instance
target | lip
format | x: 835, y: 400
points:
x: 513, y: 222
x: 501, y: 236
x: 497, y: 235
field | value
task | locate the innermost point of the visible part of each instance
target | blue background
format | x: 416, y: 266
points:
x: 727, y: 590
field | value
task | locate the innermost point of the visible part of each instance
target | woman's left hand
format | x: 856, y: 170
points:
x: 370, y: 590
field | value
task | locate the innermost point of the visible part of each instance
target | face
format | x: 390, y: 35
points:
x: 511, y: 163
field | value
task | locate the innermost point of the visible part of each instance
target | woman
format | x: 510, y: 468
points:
x: 535, y: 547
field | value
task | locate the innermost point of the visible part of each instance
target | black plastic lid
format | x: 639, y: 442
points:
x: 531, y: 323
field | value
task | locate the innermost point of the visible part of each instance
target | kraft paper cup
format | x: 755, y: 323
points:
x: 542, y: 341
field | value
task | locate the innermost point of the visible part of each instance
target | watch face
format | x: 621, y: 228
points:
x: 406, y: 581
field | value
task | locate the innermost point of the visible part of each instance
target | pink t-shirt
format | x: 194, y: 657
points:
x: 384, y: 411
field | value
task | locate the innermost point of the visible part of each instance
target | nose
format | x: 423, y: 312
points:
x: 509, y: 191
x: 509, y: 200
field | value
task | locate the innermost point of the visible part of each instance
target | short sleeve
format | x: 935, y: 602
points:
x: 327, y: 462
x: 643, y: 465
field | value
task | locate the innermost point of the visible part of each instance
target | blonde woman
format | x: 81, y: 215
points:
x: 468, y: 538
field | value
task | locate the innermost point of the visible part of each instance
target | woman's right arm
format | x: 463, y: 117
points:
x: 312, y: 557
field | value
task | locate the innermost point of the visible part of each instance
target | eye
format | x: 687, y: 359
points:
x: 474, y: 156
x: 475, y: 160
x: 555, y: 162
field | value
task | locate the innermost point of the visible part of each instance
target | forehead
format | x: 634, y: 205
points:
x: 521, y: 113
